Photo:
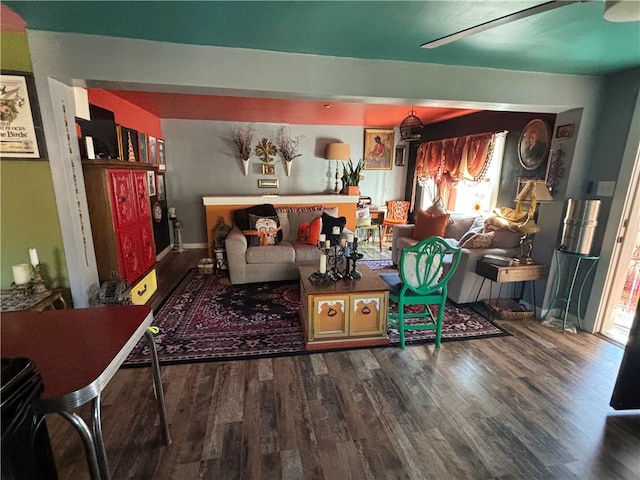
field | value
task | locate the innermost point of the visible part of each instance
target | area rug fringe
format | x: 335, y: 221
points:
x: 208, y: 319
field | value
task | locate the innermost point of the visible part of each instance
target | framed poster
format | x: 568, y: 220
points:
x: 534, y: 143
x: 161, y: 158
x: 151, y: 182
x: 152, y: 150
x: 21, y: 134
x: 160, y: 187
x: 378, y: 149
x: 127, y: 144
x: 144, y: 154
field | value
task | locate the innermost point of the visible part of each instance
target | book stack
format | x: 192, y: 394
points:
x: 497, y: 260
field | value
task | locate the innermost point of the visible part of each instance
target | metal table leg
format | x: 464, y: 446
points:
x: 89, y: 444
x: 157, y: 387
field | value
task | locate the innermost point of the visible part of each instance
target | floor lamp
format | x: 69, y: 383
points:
x: 337, y: 151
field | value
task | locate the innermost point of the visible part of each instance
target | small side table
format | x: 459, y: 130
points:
x: 511, y: 273
x: 572, y: 263
x: 11, y: 301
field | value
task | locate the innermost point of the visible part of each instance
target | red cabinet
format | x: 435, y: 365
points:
x: 120, y: 218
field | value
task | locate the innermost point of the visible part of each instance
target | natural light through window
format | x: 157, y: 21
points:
x: 475, y: 196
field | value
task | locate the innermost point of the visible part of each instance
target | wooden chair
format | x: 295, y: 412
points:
x: 397, y: 212
x: 420, y: 281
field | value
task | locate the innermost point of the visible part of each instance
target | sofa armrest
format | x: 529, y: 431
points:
x: 236, y: 246
x: 399, y: 231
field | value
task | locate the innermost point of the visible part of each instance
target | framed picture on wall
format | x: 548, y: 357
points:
x: 534, y: 143
x: 151, y: 182
x: 21, y: 133
x: 127, y: 144
x: 160, y: 187
x: 152, y: 150
x: 378, y: 149
x: 161, y: 158
x: 144, y: 152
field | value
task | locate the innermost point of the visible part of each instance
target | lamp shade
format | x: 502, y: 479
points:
x: 621, y: 11
x: 539, y: 187
x: 337, y: 151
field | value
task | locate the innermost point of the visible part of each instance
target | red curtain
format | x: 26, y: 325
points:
x: 450, y: 160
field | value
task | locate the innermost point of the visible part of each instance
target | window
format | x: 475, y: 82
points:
x: 474, y: 196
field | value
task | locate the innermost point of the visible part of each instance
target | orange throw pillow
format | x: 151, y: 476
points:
x: 309, y: 232
x: 429, y: 224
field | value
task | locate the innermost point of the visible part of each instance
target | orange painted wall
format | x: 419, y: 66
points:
x: 125, y: 113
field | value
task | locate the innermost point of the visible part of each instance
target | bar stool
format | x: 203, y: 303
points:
x: 369, y: 231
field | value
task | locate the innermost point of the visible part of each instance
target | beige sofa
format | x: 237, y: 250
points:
x: 249, y: 264
x: 465, y: 284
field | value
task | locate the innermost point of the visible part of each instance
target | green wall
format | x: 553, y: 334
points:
x: 28, y: 211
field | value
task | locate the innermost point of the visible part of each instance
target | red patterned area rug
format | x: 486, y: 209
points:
x: 208, y: 319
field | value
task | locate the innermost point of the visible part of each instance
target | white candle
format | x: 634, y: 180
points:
x: 350, y: 237
x: 336, y: 230
x: 343, y: 242
x: 323, y: 263
x: 33, y: 254
x: 327, y: 244
x: 323, y: 237
x: 21, y: 274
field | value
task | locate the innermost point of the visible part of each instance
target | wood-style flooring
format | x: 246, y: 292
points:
x: 530, y: 406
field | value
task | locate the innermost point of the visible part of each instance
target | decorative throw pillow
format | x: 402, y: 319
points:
x: 309, y: 232
x: 241, y: 217
x: 328, y: 222
x: 479, y: 240
x: 438, y: 207
x: 268, y: 228
x: 429, y: 225
x: 476, y: 227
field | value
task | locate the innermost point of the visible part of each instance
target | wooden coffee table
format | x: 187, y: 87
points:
x: 346, y: 313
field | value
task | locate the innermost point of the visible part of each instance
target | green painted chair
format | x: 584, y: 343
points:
x: 422, y: 279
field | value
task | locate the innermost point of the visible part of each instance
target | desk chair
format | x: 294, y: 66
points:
x: 420, y: 281
x: 397, y: 213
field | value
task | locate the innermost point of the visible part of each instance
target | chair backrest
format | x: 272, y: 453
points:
x: 398, y: 210
x: 421, y: 266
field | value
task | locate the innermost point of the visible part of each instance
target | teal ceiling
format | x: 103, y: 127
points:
x: 573, y: 39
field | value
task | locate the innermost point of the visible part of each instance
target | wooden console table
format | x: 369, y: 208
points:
x: 350, y: 313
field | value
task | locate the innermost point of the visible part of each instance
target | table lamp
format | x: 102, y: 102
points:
x: 533, y: 191
x: 337, y: 151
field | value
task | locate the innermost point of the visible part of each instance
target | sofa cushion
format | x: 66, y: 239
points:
x: 297, y: 215
x: 329, y: 221
x: 281, y: 253
x: 429, y: 225
x: 269, y: 226
x: 461, y: 224
x: 306, y: 253
x: 309, y: 232
x: 478, y: 240
x: 505, y: 239
x: 241, y: 217
x: 476, y: 227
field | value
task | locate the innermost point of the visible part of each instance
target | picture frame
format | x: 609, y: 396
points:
x: 152, y: 150
x: 401, y: 152
x: 161, y: 158
x: 20, y: 113
x: 565, y: 131
x: 268, y: 169
x: 534, y: 143
x: 126, y: 135
x: 268, y: 183
x: 160, y: 187
x: 378, y: 148
x: 143, y: 147
x: 151, y: 182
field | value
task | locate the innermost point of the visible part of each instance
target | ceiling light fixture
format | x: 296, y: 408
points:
x: 619, y: 11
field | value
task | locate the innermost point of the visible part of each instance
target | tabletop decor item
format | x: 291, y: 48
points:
x: 338, y: 258
x: 288, y: 146
x: 242, y: 138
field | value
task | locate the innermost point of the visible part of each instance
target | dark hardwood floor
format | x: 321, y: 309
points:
x: 530, y: 406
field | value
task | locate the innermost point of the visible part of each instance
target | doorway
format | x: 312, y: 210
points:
x: 623, y: 278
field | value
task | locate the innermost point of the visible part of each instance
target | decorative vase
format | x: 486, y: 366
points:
x: 245, y: 166
x: 288, y: 165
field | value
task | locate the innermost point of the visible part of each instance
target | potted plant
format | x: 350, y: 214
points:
x: 351, y: 177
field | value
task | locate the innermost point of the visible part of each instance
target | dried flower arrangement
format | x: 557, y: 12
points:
x: 243, y: 137
x: 288, y: 145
